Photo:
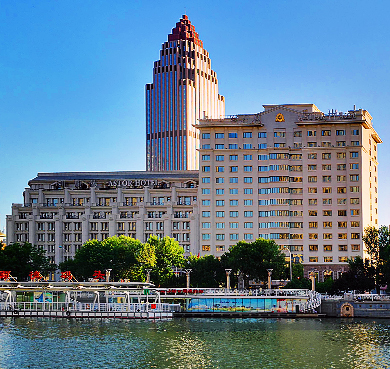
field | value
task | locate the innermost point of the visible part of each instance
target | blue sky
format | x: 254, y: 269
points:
x: 72, y: 74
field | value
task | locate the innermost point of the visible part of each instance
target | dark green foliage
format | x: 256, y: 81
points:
x: 21, y: 259
x: 299, y: 283
x: 207, y: 271
x: 253, y: 259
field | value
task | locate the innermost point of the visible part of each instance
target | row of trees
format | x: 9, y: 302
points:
x: 129, y: 259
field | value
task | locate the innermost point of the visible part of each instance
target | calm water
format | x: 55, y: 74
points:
x: 194, y: 343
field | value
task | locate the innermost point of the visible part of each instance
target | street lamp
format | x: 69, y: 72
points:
x: 148, y: 275
x: 312, y: 276
x: 269, y: 277
x: 289, y: 254
x: 228, y: 271
x: 108, y: 272
x: 188, y: 271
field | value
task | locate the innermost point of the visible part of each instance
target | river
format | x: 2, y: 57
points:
x: 194, y: 343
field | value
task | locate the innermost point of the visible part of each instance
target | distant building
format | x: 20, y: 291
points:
x: 184, y: 90
x: 305, y: 179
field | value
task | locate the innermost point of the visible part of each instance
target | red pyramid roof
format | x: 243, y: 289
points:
x: 184, y: 30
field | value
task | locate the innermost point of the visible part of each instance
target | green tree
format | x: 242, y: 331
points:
x: 253, y: 259
x: 168, y: 254
x: 21, y: 259
x: 207, y: 271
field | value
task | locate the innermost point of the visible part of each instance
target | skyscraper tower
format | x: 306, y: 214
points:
x: 184, y: 90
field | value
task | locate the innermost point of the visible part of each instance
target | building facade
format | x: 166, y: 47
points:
x: 184, y: 90
x: 61, y: 211
x: 305, y: 179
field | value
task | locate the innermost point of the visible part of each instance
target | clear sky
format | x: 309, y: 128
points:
x: 73, y: 73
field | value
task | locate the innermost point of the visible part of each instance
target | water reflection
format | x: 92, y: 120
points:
x: 194, y: 343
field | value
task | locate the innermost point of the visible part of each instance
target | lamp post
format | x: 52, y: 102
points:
x: 269, y: 278
x: 228, y: 271
x: 312, y: 276
x: 289, y: 254
x: 188, y: 271
x: 108, y: 272
x: 148, y: 275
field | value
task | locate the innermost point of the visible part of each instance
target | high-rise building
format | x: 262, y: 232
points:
x: 184, y: 90
x: 305, y: 179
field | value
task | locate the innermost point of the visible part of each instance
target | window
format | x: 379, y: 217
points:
x: 341, y: 201
x: 247, y: 168
x: 233, y: 157
x: 233, y: 191
x: 354, y: 201
x: 354, y: 177
x: 341, y: 166
x: 233, y: 214
x: 354, y: 189
x: 233, y: 180
x: 325, y: 132
x: 219, y: 146
x: 247, y: 135
x: 342, y: 236
x: 205, y: 157
x: 311, y: 133
x: 327, y: 236
x: 326, y: 167
x: 248, y: 214
x: 343, y: 247
x: 248, y: 180
x: 342, y: 224
x: 343, y: 259
x: 248, y: 191
x: 233, y: 135
x: 327, y: 247
x: 279, y: 134
x: 313, y: 259
x: 327, y: 224
x: 262, y: 147
x: 355, y: 211
x: 206, y: 168
x: 312, y: 144
x: 219, y: 169
x: 327, y: 201
x: 313, y: 247
x: 219, y: 180
x: 205, y: 247
x: 355, y: 247
x: 248, y: 236
x: 326, y: 189
x: 219, y: 191
x: 247, y: 146
x: 233, y: 225
x: 342, y: 213
x: 312, y: 213
x: 355, y: 143
x: 313, y: 236
x: 355, y: 132
x: 340, y: 143
x: 262, y: 134
x: 205, y: 236
x: 312, y: 190
x: 219, y: 214
x: 219, y: 157
x: 328, y: 259
x: 233, y: 146
x: 247, y: 157
x: 340, y: 132
x: 206, y: 202
x: 220, y: 237
x: 205, y: 135
x: 312, y: 167
x: 354, y: 154
x: 206, y: 146
x: 355, y: 236
x: 233, y: 202
x: 233, y: 236
x: 312, y: 156
x: 220, y: 248
x: 205, y: 179
x: 219, y: 135
x: 248, y: 202
x: 326, y: 156
x: 220, y: 202
x: 326, y: 179
x: 297, y: 133
x: 341, y: 178
x: 340, y: 155
x: 206, y: 225
x: 327, y: 213
x: 248, y: 225
x: 312, y: 201
x: 313, y: 224
x: 279, y: 145
x: 205, y: 214
x: 312, y: 179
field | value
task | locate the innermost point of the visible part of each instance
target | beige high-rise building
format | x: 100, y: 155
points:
x: 293, y: 174
x: 184, y: 90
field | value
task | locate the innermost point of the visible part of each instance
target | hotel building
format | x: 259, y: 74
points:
x: 61, y: 211
x: 305, y: 179
x: 184, y: 90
